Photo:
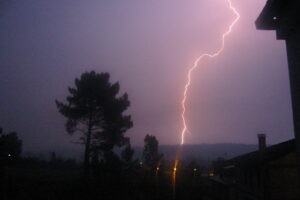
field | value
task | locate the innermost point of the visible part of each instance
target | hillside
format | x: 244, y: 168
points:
x: 205, y: 152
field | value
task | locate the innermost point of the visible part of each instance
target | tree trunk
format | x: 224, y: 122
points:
x: 87, y: 152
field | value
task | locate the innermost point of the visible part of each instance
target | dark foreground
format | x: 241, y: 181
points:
x: 66, y: 181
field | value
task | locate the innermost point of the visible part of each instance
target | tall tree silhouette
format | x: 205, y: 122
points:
x: 151, y: 156
x: 95, y: 110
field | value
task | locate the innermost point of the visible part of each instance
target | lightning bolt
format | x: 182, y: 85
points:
x: 196, y: 64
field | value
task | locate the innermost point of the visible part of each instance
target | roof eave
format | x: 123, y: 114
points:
x: 265, y: 20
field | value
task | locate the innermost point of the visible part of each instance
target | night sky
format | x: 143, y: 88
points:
x: 148, y: 47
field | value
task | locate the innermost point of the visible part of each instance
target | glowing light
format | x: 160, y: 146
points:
x: 174, y: 178
x: 175, y: 168
x: 196, y: 63
x: 175, y: 165
x: 195, y: 169
x: 157, y: 168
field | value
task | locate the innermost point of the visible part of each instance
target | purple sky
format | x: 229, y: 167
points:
x: 148, y: 46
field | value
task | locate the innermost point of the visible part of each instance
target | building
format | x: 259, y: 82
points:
x: 270, y: 173
x: 283, y: 16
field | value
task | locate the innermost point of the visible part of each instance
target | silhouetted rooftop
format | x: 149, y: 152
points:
x: 271, y: 153
x: 279, y: 15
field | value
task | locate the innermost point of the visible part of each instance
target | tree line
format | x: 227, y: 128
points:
x: 95, y: 113
x: 95, y: 109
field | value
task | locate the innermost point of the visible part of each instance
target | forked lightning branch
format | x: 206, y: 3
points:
x: 196, y: 64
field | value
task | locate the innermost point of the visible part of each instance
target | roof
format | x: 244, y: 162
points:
x: 280, y: 15
x: 270, y: 153
x: 272, y: 12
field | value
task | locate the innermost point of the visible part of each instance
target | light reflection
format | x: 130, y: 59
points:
x: 174, y: 178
